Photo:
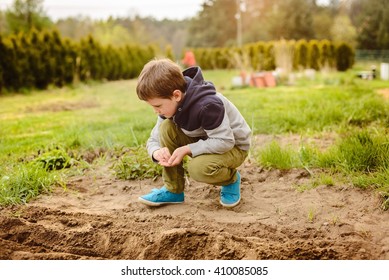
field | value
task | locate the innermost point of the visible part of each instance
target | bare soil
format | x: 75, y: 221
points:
x: 99, y: 217
x: 384, y: 93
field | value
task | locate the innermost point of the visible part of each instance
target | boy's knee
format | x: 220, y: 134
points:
x: 201, y: 171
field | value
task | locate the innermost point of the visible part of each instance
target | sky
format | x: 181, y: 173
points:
x: 102, y: 9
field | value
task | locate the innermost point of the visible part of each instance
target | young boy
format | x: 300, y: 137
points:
x: 195, y: 120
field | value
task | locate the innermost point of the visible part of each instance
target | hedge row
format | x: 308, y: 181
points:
x: 263, y: 55
x: 37, y: 60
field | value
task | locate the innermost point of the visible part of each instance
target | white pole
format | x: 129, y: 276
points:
x: 238, y: 17
x: 384, y: 71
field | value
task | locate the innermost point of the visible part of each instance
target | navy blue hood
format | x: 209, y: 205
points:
x: 200, y: 106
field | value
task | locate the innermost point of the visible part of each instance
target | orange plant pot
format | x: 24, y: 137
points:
x: 258, y: 81
x: 270, y: 81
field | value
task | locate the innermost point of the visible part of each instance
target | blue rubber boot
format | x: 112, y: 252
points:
x: 161, y: 196
x: 230, y: 194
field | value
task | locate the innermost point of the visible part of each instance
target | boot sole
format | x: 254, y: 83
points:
x: 230, y: 205
x: 150, y: 203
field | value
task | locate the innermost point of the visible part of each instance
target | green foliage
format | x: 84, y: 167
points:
x: 256, y: 52
x: 314, y: 55
x: 342, y: 30
x: 25, y: 182
x: 301, y: 55
x: 24, y: 15
x: 111, y: 33
x: 265, y: 55
x: 372, y: 19
x: 344, y: 57
x: 205, y: 30
x: 292, y: 19
x: 136, y: 164
x: 269, y: 58
x: 169, y: 52
x: 39, y: 59
x: 55, y: 159
x: 327, y: 54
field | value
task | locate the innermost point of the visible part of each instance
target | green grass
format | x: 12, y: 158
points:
x: 273, y: 155
x: 58, y: 127
x: 362, y: 151
x: 25, y: 182
x: 311, y: 109
x: 88, y: 116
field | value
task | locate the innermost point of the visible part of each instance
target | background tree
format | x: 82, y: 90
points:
x: 292, y: 19
x: 323, y: 19
x: 215, y: 25
x: 343, y: 30
x: 27, y: 14
x: 110, y: 33
x: 371, y: 18
x: 75, y: 28
x: 3, y: 23
x: 257, y: 21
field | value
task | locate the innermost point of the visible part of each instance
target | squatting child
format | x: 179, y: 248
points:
x: 194, y: 120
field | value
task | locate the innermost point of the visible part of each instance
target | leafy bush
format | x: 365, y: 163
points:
x: 262, y: 55
x: 344, y: 57
x: 54, y: 160
x: 301, y: 55
x: 314, y: 55
x: 39, y: 59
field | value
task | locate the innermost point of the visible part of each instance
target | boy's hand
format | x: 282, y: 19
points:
x: 176, y: 157
x: 162, y: 155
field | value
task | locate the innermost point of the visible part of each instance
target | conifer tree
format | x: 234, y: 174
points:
x: 314, y: 55
x: 36, y: 60
x: 344, y: 57
x: 301, y: 54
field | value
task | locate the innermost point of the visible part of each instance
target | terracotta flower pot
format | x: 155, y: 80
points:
x: 270, y: 81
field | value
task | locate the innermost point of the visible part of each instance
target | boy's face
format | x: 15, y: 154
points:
x: 166, y: 107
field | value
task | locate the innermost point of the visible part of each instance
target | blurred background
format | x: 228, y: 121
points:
x: 111, y: 40
x: 204, y: 23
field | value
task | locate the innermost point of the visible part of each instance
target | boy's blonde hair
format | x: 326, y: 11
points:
x: 159, y: 78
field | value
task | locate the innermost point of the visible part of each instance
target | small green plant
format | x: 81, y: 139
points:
x: 136, y: 164
x: 334, y: 220
x: 307, y: 156
x: 55, y: 159
x: 324, y: 179
x: 311, y: 215
x: 278, y: 209
x: 317, y: 180
x: 305, y: 187
x: 385, y: 203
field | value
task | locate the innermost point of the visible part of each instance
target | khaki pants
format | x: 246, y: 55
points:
x: 214, y: 169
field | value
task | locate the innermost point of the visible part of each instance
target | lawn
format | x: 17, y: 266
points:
x: 42, y: 133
